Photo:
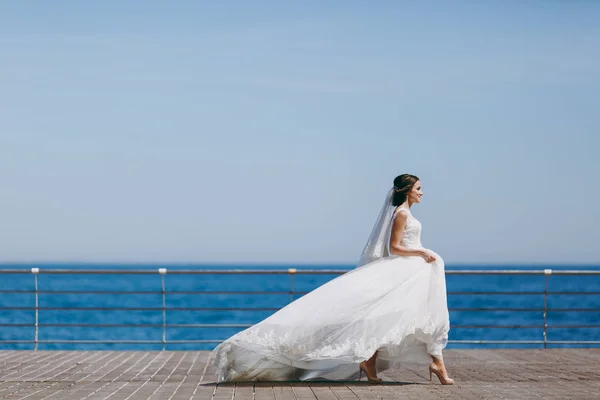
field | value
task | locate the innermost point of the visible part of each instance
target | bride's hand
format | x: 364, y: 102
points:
x: 428, y: 256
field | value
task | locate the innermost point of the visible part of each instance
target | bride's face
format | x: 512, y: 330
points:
x: 414, y: 196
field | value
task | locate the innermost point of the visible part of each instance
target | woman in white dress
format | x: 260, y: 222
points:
x: 391, y: 309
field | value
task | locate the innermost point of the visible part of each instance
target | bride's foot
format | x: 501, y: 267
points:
x: 369, y: 371
x: 440, y: 371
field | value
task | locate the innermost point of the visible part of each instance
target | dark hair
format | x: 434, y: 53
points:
x: 402, y: 185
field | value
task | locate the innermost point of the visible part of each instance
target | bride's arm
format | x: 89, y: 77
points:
x: 396, y: 247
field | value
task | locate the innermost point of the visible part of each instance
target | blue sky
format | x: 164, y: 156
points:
x: 267, y: 131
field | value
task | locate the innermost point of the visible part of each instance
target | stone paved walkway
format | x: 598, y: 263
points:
x: 171, y: 375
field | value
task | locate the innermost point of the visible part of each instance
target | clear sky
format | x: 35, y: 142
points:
x: 270, y: 131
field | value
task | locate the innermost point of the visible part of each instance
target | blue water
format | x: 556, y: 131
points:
x: 462, y: 321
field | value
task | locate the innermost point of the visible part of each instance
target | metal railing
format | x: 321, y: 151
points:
x: 291, y: 272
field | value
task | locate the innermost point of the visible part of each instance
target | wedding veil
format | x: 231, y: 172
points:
x: 377, y: 244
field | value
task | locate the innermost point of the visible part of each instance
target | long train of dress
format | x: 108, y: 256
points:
x: 396, y: 305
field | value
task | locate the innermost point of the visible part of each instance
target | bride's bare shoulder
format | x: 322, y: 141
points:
x: 400, y: 214
x: 400, y: 211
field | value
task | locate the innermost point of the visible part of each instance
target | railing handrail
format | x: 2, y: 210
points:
x: 292, y: 271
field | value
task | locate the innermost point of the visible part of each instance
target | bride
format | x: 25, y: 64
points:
x: 391, y: 309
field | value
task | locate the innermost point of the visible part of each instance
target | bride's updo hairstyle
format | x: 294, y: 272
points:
x: 402, y: 185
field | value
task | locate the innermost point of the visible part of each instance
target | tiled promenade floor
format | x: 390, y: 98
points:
x: 479, y: 374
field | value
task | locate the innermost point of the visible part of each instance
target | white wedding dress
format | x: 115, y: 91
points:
x: 396, y: 305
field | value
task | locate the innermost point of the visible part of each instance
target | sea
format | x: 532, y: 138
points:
x: 573, y: 305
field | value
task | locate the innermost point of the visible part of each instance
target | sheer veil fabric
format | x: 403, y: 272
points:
x: 377, y: 245
x: 392, y: 304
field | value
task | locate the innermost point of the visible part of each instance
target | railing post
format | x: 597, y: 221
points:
x: 292, y: 272
x: 35, y: 272
x: 162, y: 272
x: 547, y: 273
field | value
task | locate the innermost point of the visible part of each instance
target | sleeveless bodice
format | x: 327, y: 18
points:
x: 411, y: 236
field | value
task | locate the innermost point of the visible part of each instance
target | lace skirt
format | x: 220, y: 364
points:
x: 395, y: 305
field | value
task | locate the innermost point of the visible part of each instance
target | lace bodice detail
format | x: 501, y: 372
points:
x: 411, y: 237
